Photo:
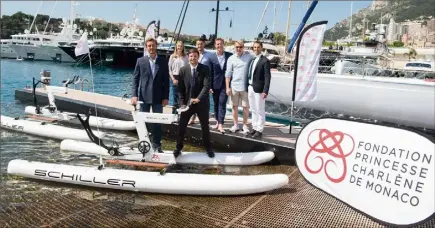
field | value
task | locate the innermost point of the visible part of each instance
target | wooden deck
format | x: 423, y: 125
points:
x: 272, y: 132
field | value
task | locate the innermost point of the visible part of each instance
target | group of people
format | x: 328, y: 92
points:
x: 192, y: 77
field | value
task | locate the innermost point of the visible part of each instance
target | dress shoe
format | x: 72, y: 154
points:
x: 177, y: 153
x: 210, y: 154
x: 157, y: 149
x: 257, y: 134
x: 251, y: 133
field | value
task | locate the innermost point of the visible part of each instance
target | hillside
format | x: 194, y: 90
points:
x: 400, y: 11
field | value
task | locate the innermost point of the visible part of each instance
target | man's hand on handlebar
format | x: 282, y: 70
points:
x: 134, y: 100
x: 165, y: 102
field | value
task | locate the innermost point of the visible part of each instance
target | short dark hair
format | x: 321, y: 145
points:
x: 151, y: 39
x: 194, y: 50
x: 217, y: 39
x: 258, y: 42
x: 200, y: 39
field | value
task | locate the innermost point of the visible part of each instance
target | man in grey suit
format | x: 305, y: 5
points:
x: 151, y: 86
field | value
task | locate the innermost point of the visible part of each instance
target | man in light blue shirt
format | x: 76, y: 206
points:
x: 236, y: 78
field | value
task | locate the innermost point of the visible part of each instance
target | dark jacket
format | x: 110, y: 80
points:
x: 217, y: 73
x: 151, y: 89
x: 201, y: 88
x: 262, y: 75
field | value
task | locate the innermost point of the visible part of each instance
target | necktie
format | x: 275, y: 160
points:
x: 192, y: 79
x: 250, y: 69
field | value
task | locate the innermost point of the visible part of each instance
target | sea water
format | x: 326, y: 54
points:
x: 18, y: 74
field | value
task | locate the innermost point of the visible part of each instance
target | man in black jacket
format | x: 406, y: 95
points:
x: 193, y: 89
x: 151, y: 86
x: 259, y: 81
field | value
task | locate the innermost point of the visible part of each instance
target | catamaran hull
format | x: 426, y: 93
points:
x: 105, y: 123
x: 200, y: 158
x: 45, y: 130
x: 153, y: 182
x: 402, y: 101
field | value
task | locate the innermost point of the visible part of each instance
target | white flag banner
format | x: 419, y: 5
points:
x: 82, y: 45
x: 308, y: 63
x: 150, y: 33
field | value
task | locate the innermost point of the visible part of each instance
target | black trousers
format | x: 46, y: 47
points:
x: 202, y: 111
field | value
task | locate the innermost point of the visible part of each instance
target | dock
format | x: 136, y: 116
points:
x: 275, y: 136
x: 298, y: 204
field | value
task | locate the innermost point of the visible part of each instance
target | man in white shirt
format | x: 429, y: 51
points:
x: 259, y: 82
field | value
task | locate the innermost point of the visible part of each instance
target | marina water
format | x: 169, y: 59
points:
x: 18, y: 74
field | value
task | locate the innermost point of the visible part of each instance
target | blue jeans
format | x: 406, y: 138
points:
x: 174, y: 95
x: 156, y: 129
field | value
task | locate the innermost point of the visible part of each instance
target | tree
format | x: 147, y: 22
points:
x: 279, y: 38
x: 398, y: 43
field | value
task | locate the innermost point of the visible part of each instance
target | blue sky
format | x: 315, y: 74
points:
x: 199, y: 20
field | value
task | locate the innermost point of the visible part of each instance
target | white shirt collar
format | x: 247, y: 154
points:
x: 193, y: 67
x: 223, y: 53
x: 149, y: 56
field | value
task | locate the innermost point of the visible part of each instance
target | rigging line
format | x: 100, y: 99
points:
x: 51, y: 13
x: 176, y: 26
x: 262, y: 15
x: 182, y: 21
x: 232, y: 21
x: 95, y: 104
x: 37, y: 12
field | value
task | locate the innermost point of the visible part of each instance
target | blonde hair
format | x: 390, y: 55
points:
x: 183, y: 52
x: 240, y: 42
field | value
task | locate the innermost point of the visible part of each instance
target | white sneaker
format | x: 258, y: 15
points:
x: 245, y: 129
x: 234, y: 128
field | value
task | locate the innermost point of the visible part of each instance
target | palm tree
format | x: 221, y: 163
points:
x: 411, y: 54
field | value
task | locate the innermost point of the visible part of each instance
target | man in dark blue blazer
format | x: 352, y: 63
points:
x: 151, y: 86
x: 218, y: 67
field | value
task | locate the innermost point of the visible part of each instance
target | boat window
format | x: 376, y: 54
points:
x: 45, y: 39
x: 273, y: 52
x: 425, y: 65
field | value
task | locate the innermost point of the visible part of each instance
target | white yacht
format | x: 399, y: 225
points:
x: 43, y: 45
x: 270, y: 51
x: 6, y: 50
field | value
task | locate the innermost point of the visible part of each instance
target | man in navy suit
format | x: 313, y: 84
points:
x: 151, y: 86
x: 218, y: 67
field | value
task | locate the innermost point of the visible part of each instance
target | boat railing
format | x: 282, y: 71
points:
x: 359, y: 66
x: 83, y: 81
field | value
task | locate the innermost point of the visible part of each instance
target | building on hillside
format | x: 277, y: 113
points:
x: 378, y: 4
